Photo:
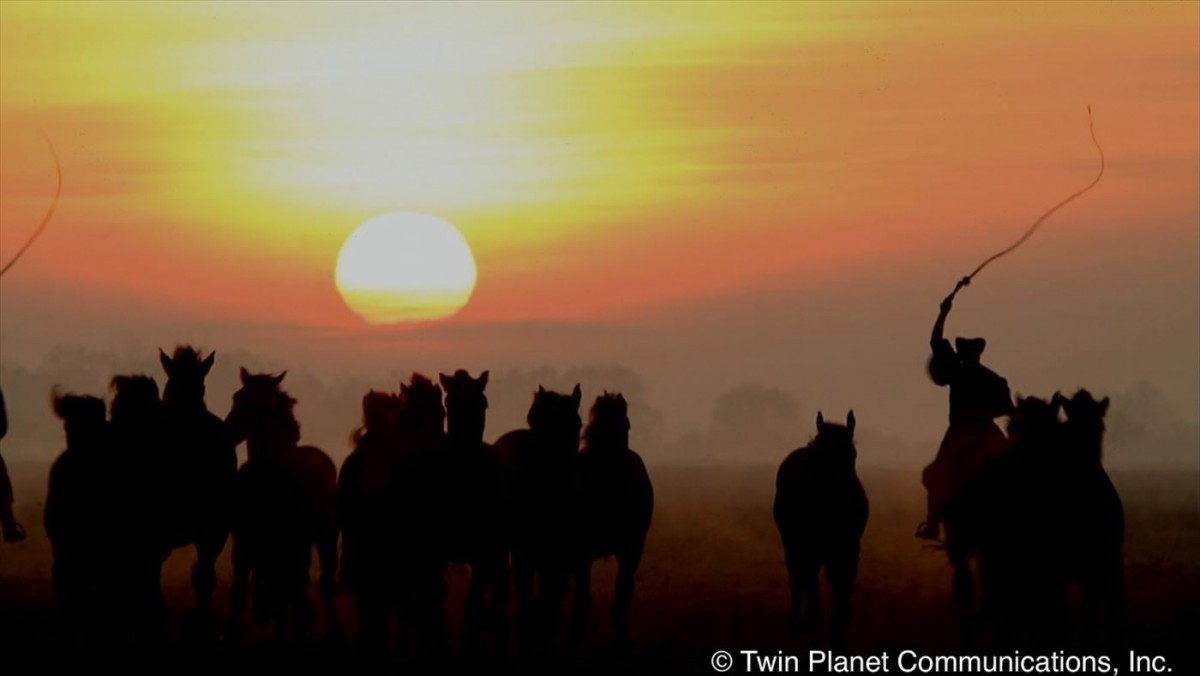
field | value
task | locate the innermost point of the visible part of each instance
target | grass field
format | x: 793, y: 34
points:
x: 712, y: 579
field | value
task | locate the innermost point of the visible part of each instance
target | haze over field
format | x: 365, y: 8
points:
x: 690, y: 199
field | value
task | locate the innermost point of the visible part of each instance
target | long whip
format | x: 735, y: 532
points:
x: 1041, y: 219
x: 49, y: 212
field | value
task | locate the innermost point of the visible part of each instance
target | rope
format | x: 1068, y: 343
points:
x: 49, y: 212
x: 1041, y: 219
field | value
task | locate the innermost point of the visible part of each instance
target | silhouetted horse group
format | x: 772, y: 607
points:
x: 1041, y: 517
x: 420, y: 492
x: 151, y: 476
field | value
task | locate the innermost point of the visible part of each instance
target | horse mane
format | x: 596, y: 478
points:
x: 71, y: 407
x: 187, y: 353
x: 608, y: 421
x: 135, y: 395
x: 376, y: 407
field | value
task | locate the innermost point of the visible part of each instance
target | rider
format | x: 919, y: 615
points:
x: 11, y: 530
x: 977, y: 397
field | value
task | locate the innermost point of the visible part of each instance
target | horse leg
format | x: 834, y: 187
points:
x: 297, y: 599
x: 327, y: 553
x: 627, y: 566
x: 149, y: 608
x: 240, y: 590
x: 802, y: 568
x: 963, y: 594
x: 70, y: 596
x: 204, y: 579
x: 429, y: 596
x: 581, y: 606
x: 372, y: 605
x: 498, y: 583
x: 841, y: 571
x: 552, y: 593
x: 473, y: 612
x: 526, y: 624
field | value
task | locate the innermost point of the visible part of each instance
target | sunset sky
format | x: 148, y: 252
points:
x: 706, y: 193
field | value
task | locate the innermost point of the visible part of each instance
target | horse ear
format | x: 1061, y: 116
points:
x: 1058, y: 400
x: 482, y: 379
x: 279, y: 378
x: 207, y: 364
x: 577, y: 395
x: 56, y: 400
x: 164, y: 360
x: 1104, y: 406
x: 850, y: 421
x: 444, y: 380
x: 820, y: 421
x: 541, y: 390
x: 621, y: 398
x: 245, y: 375
x: 403, y: 390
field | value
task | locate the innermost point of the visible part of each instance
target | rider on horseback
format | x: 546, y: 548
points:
x: 9, y: 528
x: 977, y: 397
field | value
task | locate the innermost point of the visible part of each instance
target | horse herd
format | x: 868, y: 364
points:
x: 422, y: 492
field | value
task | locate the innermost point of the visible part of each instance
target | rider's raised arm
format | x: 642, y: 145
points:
x: 943, y: 364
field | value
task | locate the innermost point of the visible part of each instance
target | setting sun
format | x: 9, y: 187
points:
x: 405, y: 267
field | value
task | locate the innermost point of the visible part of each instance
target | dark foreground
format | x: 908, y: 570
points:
x: 712, y: 579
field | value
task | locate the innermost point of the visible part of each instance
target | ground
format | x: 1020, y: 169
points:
x: 712, y: 579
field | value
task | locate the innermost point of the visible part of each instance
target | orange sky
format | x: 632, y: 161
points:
x: 216, y: 155
x: 707, y: 193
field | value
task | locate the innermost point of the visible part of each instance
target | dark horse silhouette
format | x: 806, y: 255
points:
x: 78, y: 519
x: 1052, y: 518
x: 199, y: 473
x: 286, y: 503
x: 1094, y: 533
x: 540, y: 465
x: 417, y: 513
x: 472, y: 491
x: 616, y: 501
x: 390, y: 511
x: 140, y: 465
x: 821, y: 512
x: 369, y: 556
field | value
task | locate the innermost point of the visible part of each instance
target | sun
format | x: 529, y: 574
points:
x: 405, y: 267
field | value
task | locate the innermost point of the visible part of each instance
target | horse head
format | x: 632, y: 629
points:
x: 424, y: 414
x: 382, y: 412
x: 261, y: 406
x: 135, y: 399
x: 1034, y: 423
x: 555, y: 417
x: 186, y: 372
x: 1085, y: 423
x: 83, y: 419
x: 466, y: 403
x: 833, y: 447
x: 608, y: 422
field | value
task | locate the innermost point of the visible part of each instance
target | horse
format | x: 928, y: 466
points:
x: 1054, y: 519
x: 540, y: 468
x: 1020, y: 520
x: 199, y: 473
x: 78, y: 516
x: 1095, y: 532
x: 616, y: 502
x: 286, y: 503
x: 417, y: 512
x: 821, y: 512
x: 475, y: 512
x: 363, y: 510
x: 138, y: 433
